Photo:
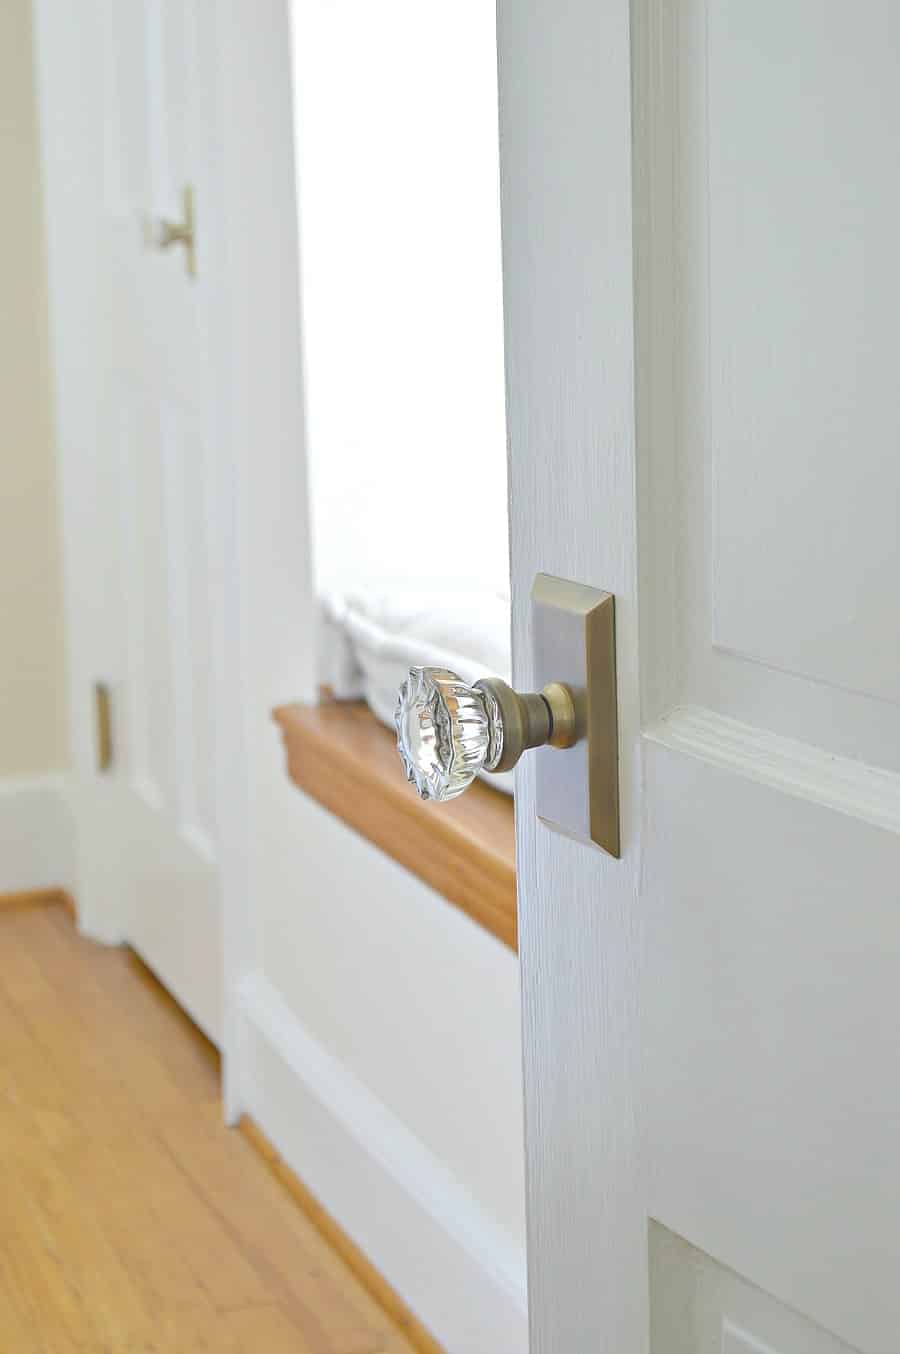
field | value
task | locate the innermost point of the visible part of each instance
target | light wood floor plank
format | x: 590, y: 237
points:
x: 131, y: 1220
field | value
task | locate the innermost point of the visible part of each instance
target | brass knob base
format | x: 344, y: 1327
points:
x: 531, y: 719
x: 566, y: 729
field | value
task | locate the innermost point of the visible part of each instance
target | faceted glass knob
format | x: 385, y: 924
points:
x: 446, y: 732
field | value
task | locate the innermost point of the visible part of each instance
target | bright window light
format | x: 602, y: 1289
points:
x: 397, y: 166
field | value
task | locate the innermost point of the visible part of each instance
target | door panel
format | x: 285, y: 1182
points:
x: 771, y: 654
x: 141, y: 752
x: 770, y: 480
x: 770, y: 1035
x: 803, y: 103
x: 699, y: 1307
x: 154, y: 636
x: 182, y: 477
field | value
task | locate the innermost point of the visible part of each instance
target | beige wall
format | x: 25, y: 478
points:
x: 32, y: 713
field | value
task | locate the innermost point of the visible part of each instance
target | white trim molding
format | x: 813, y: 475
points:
x: 866, y: 792
x: 459, y: 1271
x: 36, y: 835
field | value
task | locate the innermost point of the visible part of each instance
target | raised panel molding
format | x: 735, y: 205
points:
x: 174, y: 445
x: 737, y: 1341
x: 702, y: 1307
x: 128, y: 424
x: 803, y: 296
x: 864, y: 792
x: 771, y: 769
x: 767, y: 563
x: 190, y: 649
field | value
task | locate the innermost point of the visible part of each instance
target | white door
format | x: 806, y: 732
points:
x: 702, y: 294
x: 161, y: 436
x: 129, y: 124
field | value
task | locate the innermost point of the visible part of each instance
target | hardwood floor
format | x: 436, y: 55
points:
x: 131, y: 1220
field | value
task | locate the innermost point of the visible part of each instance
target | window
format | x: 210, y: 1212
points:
x: 396, y: 113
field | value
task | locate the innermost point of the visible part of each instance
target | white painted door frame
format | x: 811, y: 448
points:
x: 272, y: 616
x: 565, y: 154
x: 249, y: 245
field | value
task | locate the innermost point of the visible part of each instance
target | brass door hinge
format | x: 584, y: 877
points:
x: 169, y: 233
x: 103, y: 725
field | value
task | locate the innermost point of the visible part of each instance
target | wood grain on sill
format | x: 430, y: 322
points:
x: 339, y: 754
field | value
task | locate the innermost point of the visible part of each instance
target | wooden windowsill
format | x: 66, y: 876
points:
x: 339, y: 754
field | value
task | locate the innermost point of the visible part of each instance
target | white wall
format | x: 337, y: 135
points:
x: 32, y: 679
x: 398, y: 181
x: 35, y: 835
x: 417, y: 999
x: 381, y: 1055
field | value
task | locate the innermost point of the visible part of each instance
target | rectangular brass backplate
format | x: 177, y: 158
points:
x: 574, y: 638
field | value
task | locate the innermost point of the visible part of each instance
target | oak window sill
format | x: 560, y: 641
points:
x: 340, y: 755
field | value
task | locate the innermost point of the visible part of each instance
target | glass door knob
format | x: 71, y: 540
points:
x: 448, y: 731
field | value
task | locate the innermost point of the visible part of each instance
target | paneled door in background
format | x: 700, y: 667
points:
x: 129, y: 134
x: 180, y: 430
x: 702, y: 287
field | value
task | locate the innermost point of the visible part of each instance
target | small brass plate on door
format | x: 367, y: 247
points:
x: 103, y: 726
x: 574, y: 638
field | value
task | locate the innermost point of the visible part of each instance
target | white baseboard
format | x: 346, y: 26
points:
x: 453, y: 1266
x: 36, y: 836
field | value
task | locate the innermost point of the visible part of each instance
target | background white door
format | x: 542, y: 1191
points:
x: 162, y: 437
x: 180, y: 439
x: 711, y: 1023
x: 142, y: 468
